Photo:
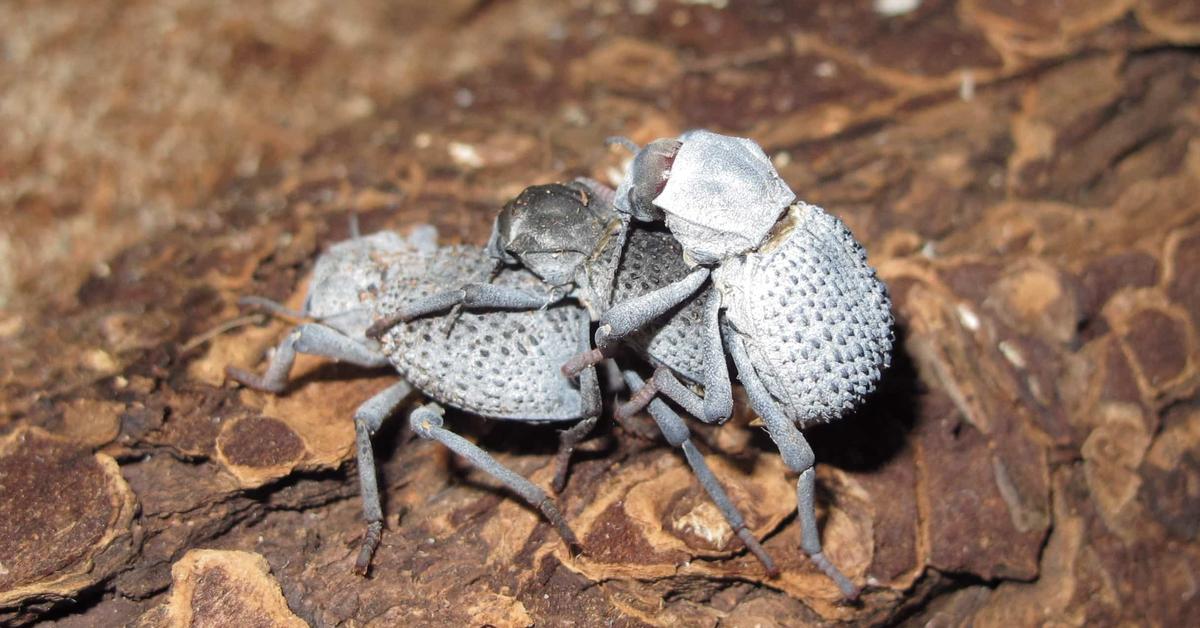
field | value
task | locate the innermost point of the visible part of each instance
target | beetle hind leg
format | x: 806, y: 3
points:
x: 367, y: 420
x: 567, y: 441
x: 427, y: 422
x: 677, y: 434
x: 312, y: 339
x: 798, y: 457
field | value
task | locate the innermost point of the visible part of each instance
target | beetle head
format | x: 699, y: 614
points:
x: 648, y: 174
x: 550, y: 229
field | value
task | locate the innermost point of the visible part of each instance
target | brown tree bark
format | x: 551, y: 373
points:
x: 1025, y: 177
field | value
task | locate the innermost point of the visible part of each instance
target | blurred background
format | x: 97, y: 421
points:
x: 121, y: 119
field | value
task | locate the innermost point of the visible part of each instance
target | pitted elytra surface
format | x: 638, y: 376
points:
x: 653, y: 259
x: 497, y: 364
x: 810, y: 304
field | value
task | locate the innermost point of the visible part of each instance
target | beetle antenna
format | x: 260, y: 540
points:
x: 272, y: 308
x: 622, y: 141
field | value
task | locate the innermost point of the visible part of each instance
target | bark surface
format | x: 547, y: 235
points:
x: 1025, y: 177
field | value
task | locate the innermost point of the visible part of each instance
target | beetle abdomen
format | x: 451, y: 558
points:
x: 502, y: 365
x: 815, y: 319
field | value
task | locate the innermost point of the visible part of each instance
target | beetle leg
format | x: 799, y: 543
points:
x: 629, y: 316
x: 267, y: 306
x: 589, y: 392
x: 718, y: 391
x: 717, y: 404
x: 623, y: 142
x: 614, y: 381
x: 367, y: 420
x: 798, y: 457
x: 567, y: 440
x: 604, y: 193
x: 676, y: 432
x: 663, y: 381
x: 470, y: 296
x: 313, y: 339
x: 426, y: 422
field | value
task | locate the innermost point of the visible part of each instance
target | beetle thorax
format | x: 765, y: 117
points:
x: 723, y: 196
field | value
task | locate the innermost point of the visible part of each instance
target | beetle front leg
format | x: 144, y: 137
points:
x: 625, y: 318
x: 717, y: 404
x: 470, y: 296
x: 718, y: 390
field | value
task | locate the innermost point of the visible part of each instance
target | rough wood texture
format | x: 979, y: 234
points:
x: 1025, y: 176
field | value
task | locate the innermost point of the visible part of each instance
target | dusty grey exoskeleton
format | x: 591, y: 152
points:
x: 564, y: 235
x: 799, y: 310
x: 471, y: 368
